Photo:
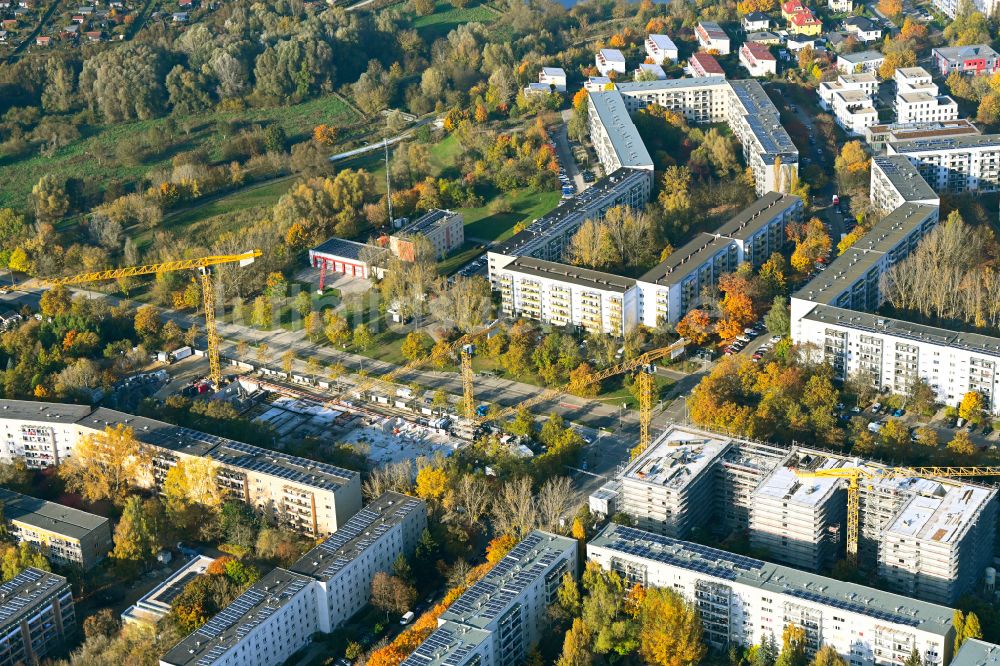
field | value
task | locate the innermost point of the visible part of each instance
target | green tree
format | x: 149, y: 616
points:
x: 336, y: 328
x: 18, y: 558
x: 363, y: 337
x: 416, y: 346
x: 137, y: 532
x: 49, y: 198
x: 779, y: 319
x: 914, y: 659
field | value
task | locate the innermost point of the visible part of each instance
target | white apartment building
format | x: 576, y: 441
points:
x: 609, y: 60
x: 895, y: 181
x: 711, y: 37
x: 615, y: 138
x: 264, y: 626
x: 344, y: 565
x: 699, y: 100
x: 758, y: 59
x: 950, y: 7
x: 741, y: 599
x: 560, y: 294
x: 860, y: 62
x: 308, y: 496
x: 661, y: 49
x: 918, y: 99
x: 279, y: 614
x: 547, y: 236
x: 702, y: 64
x: 852, y: 280
x: 554, y: 77
x: 863, y: 28
x: 500, y: 618
x: 597, y: 83
x: 878, y: 136
x: 649, y: 71
x: 851, y: 99
x: 968, y: 163
x: 670, y: 289
x: 977, y: 653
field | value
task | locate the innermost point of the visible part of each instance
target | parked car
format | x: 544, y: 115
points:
x: 775, y: 339
x: 899, y: 412
x: 876, y: 407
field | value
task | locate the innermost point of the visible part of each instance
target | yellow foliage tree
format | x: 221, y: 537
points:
x: 106, y: 465
x: 432, y: 482
x: 669, y: 629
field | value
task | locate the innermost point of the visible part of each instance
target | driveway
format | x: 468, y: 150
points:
x: 565, y: 154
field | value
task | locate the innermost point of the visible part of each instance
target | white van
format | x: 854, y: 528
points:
x: 874, y: 426
x: 406, y: 619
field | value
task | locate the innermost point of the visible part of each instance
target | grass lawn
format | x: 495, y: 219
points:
x: 623, y: 395
x: 93, y: 155
x: 444, y: 154
x: 525, y: 206
x: 445, y: 18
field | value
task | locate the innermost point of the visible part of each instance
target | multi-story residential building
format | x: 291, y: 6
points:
x: 895, y: 181
x: 499, y: 619
x: 560, y: 294
x: 281, y: 612
x: 36, y: 616
x: 554, y: 77
x: 670, y: 289
x: 610, y: 60
x: 703, y: 64
x: 691, y: 478
x: 547, y: 236
x: 894, y: 353
x: 853, y: 279
x: 699, y: 100
x: 64, y: 534
x: 767, y: 148
x: 649, y: 72
x: 863, y: 28
x: 917, y: 99
x: 711, y: 37
x: 441, y: 230
x: 758, y: 59
x: 598, y: 83
x: 841, y: 6
x: 344, y: 565
x: 615, y: 138
x: 968, y: 163
x: 264, y: 626
x: 755, y: 22
x: 974, y: 59
x: 951, y: 7
x: 878, y: 136
x: 661, y: 49
x: 742, y: 600
x: 306, y: 495
x: 860, y: 62
x: 851, y: 99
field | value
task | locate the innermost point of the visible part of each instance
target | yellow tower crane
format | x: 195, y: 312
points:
x: 854, y: 476
x: 642, y: 363
x: 202, y: 265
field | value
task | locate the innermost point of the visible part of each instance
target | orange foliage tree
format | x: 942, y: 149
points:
x: 695, y: 326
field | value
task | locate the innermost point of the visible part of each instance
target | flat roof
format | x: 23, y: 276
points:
x: 303, y: 471
x: 977, y: 653
x: 850, y: 266
x: 492, y: 595
x: 156, y: 603
x: 426, y: 221
x: 965, y: 52
x: 784, y: 484
x: 48, y: 412
x: 751, y: 219
x: 612, y: 54
x: 686, y: 259
x: 662, y: 42
x: 763, y: 119
x: 25, y: 593
x: 625, y: 140
x: 553, y: 71
x: 862, y: 56
x: 864, y: 321
x: 676, y: 458
x: 49, y: 516
x: 927, y: 130
x: 904, y: 177
x: 941, y: 519
x: 713, y: 29
x: 708, y: 63
x: 341, y: 247
x: 364, y: 529
x: 669, y: 84
x: 582, y: 277
x: 448, y: 645
x: 229, y: 626
x: 572, y: 209
x: 947, y: 143
x: 776, y: 578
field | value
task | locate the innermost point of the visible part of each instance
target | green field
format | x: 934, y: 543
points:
x: 446, y: 18
x: 93, y: 155
x: 525, y: 206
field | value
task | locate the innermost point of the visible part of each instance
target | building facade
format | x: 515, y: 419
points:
x: 711, y: 37
x: 36, y: 616
x: 661, y: 49
x: 560, y: 294
x: 895, y: 181
x: 918, y: 99
x: 554, y: 78
x: 975, y: 59
x: 309, y: 496
x: 500, y: 618
x: 345, y: 257
x: 742, y: 599
x: 969, y: 163
x: 64, y: 534
x: 860, y: 63
x: 851, y: 99
x: 878, y: 136
x: 613, y: 134
x: 441, y: 230
x: 758, y: 59
x: 609, y: 60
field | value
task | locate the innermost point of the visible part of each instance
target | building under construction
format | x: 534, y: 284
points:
x: 930, y: 538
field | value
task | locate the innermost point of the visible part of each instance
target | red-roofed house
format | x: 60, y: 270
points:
x: 758, y: 59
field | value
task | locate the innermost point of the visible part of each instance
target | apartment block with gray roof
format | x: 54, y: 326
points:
x: 64, y: 534
x: 36, y: 616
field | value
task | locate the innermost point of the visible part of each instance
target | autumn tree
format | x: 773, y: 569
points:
x: 669, y: 629
x: 695, y: 326
x: 812, y: 242
x: 432, y: 482
x: 392, y: 594
x: 416, y: 345
x: 576, y: 646
x: 335, y: 328
x: 582, y: 382
x: 106, y: 465
x: 891, y: 8
x: 972, y: 407
x: 17, y: 558
x: 852, y: 166
x: 828, y: 656
x: 137, y: 534
x: 50, y: 199
x: 961, y: 444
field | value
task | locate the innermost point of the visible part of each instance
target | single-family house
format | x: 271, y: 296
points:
x: 863, y: 28
x: 180, y: 17
x: 756, y: 21
x: 43, y: 40
x: 841, y: 6
x: 764, y: 37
